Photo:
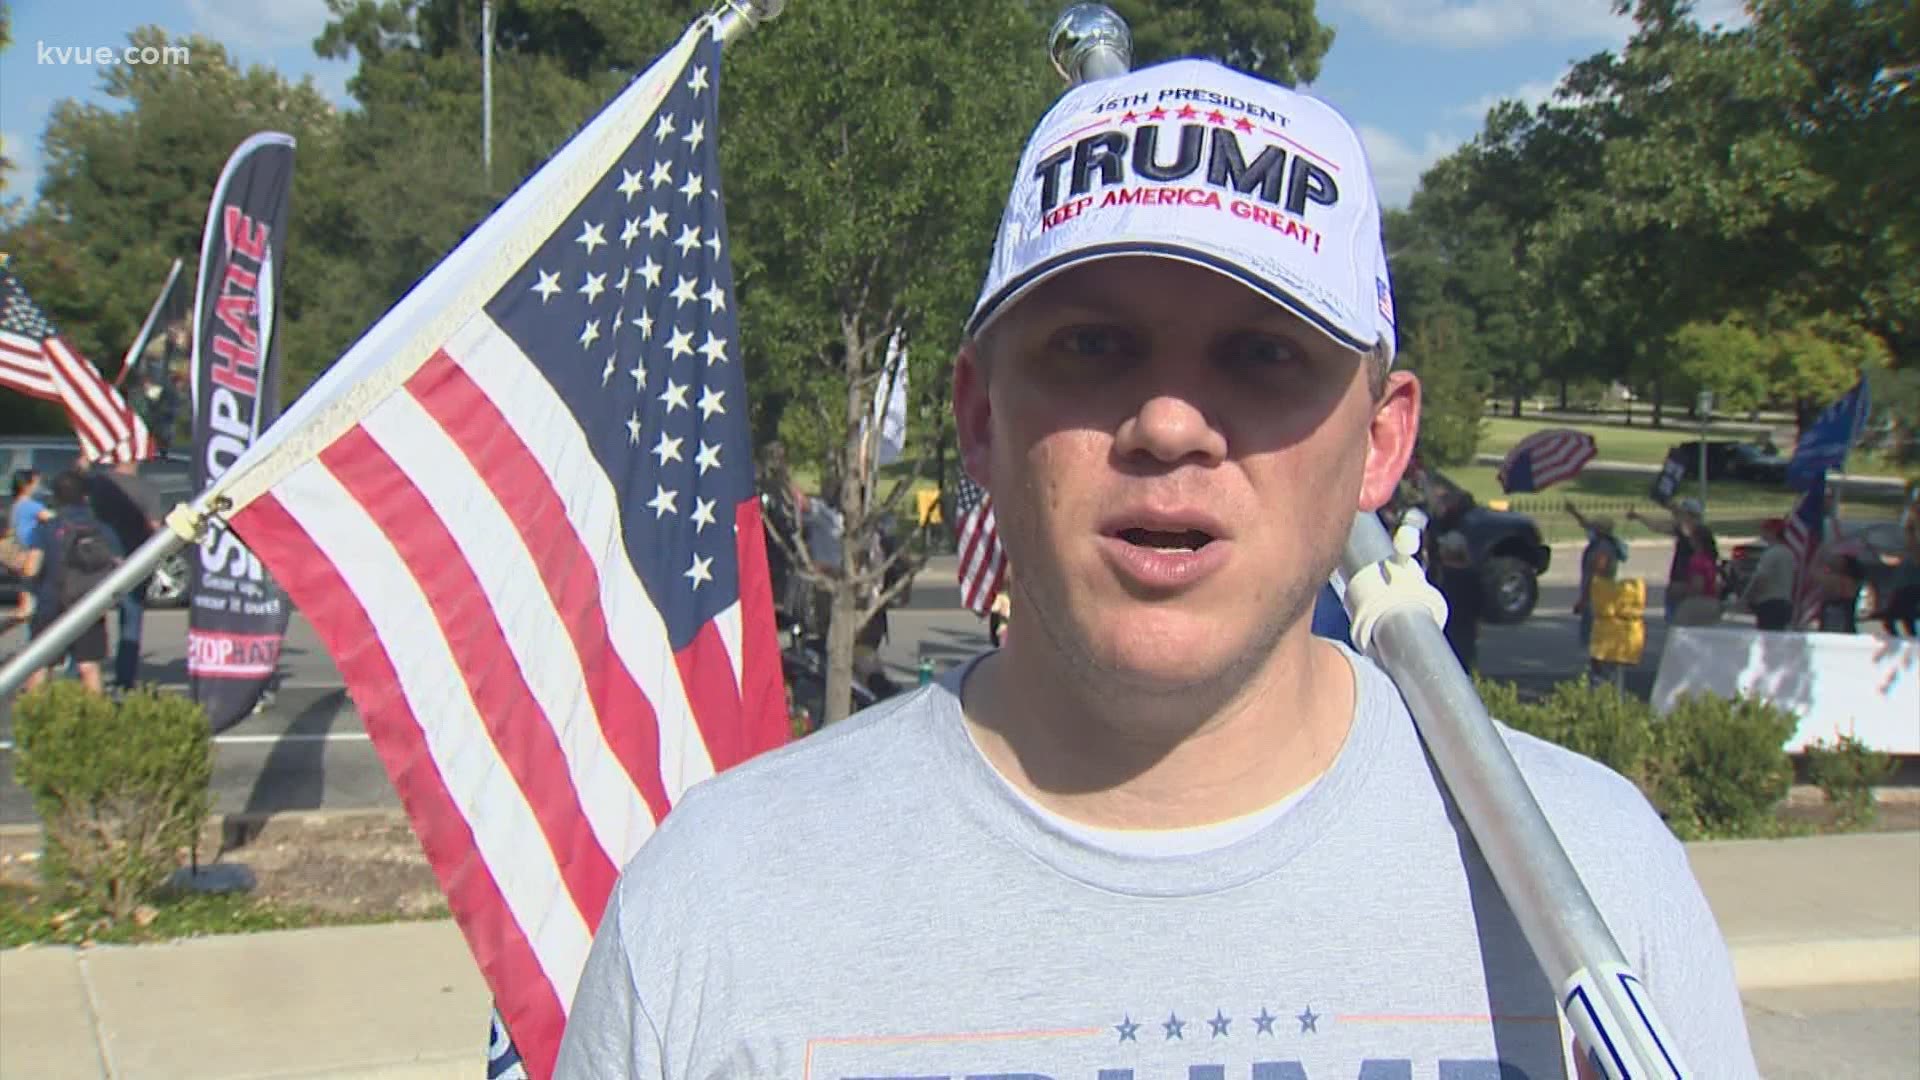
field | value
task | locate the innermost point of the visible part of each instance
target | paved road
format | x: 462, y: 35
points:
x: 308, y: 749
x: 1867, y: 1032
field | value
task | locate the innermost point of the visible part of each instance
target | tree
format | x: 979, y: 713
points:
x: 1453, y: 393
x: 126, y: 191
x: 1728, y: 358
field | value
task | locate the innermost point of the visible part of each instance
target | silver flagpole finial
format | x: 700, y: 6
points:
x: 739, y: 16
x: 1091, y: 41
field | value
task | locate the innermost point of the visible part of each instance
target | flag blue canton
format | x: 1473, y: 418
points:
x: 629, y: 313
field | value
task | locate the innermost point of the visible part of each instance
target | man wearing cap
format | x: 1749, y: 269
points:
x: 1600, y: 538
x: 1165, y: 831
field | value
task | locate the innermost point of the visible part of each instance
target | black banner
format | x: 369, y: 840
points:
x: 239, y: 613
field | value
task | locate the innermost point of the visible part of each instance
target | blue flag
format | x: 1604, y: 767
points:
x: 1825, y: 442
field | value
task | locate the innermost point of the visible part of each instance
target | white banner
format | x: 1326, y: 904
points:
x: 1864, y: 685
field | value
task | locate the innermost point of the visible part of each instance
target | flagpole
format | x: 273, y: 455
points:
x: 1397, y: 618
x: 146, y: 328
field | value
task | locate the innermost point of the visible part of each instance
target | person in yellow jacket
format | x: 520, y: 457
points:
x: 1619, y: 608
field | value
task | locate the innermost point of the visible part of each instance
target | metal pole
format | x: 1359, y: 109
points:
x: 486, y: 90
x: 1602, y: 999
x: 735, y: 17
x: 1704, y: 406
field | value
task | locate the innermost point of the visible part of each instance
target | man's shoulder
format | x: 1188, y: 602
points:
x: 803, y: 794
x: 1598, y: 814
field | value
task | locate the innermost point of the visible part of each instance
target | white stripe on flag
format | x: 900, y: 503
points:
x: 541, y: 646
x: 541, y: 420
x: 101, y: 402
x: 506, y: 835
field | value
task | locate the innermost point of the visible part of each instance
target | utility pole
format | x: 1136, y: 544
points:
x: 486, y: 91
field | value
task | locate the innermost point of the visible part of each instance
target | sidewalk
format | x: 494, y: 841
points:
x: 404, y: 1002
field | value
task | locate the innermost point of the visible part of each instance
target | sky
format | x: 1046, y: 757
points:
x: 1415, y: 76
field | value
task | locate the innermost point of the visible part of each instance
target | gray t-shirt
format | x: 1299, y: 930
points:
x: 876, y: 902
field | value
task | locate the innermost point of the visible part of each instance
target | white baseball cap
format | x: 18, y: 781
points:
x: 1195, y: 161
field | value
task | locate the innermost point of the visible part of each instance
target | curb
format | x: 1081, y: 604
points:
x: 220, y: 822
x: 1794, y: 964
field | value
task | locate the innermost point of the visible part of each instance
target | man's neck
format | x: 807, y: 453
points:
x: 1126, y: 760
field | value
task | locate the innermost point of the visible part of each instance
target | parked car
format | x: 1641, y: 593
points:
x: 1731, y: 459
x: 171, y: 477
x: 1507, y: 547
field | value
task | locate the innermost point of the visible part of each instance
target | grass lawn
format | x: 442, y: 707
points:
x: 1732, y: 509
x: 1636, y: 446
x: 1645, y: 445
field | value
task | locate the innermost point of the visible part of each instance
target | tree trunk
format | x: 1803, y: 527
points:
x: 840, y: 633
x: 1516, y: 399
x: 1659, y: 400
x: 1563, y: 394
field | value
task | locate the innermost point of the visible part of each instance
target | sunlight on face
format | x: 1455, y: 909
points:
x: 1175, y: 461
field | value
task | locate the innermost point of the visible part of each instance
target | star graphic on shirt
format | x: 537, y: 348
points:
x: 1307, y: 1021
x: 1126, y: 1027
x: 1264, y: 1022
x: 1219, y: 1023
x: 1174, y: 1025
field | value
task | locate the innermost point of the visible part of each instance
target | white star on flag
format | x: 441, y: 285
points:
x: 700, y: 572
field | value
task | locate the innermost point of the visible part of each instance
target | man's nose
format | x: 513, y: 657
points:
x: 1172, y: 426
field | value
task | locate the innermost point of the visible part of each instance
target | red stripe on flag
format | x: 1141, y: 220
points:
x: 762, y: 724
x: 526, y: 494
x: 500, y: 946
x: 707, y: 672
x: 514, y: 720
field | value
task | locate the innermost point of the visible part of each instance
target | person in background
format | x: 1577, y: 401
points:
x: 126, y: 503
x: 24, y: 519
x: 1619, y: 608
x: 1842, y: 575
x: 1900, y: 611
x: 1687, y: 524
x: 73, y: 534
x: 1465, y: 589
x: 1600, y: 534
x: 1769, y: 594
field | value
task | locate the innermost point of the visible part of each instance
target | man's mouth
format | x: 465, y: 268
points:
x: 1185, y: 540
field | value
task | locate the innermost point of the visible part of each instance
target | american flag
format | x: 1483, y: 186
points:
x: 1802, y: 537
x: 535, y: 553
x: 1545, y: 458
x: 983, y: 562
x: 38, y: 362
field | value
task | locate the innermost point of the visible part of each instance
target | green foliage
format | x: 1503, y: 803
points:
x: 120, y: 788
x: 1712, y: 767
x: 1453, y: 392
x: 1727, y: 358
x: 1721, y: 766
x: 1847, y: 770
x: 1717, y: 209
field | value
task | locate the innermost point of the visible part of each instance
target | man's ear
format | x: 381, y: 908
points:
x: 1390, y: 438
x: 972, y: 412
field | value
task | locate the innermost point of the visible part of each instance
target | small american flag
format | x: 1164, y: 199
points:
x: 38, y: 362
x: 1544, y: 459
x: 983, y: 562
x: 520, y: 513
x: 1802, y: 537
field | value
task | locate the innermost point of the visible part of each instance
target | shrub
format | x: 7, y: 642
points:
x: 1711, y: 767
x: 1847, y: 771
x: 120, y: 788
x: 1720, y: 768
